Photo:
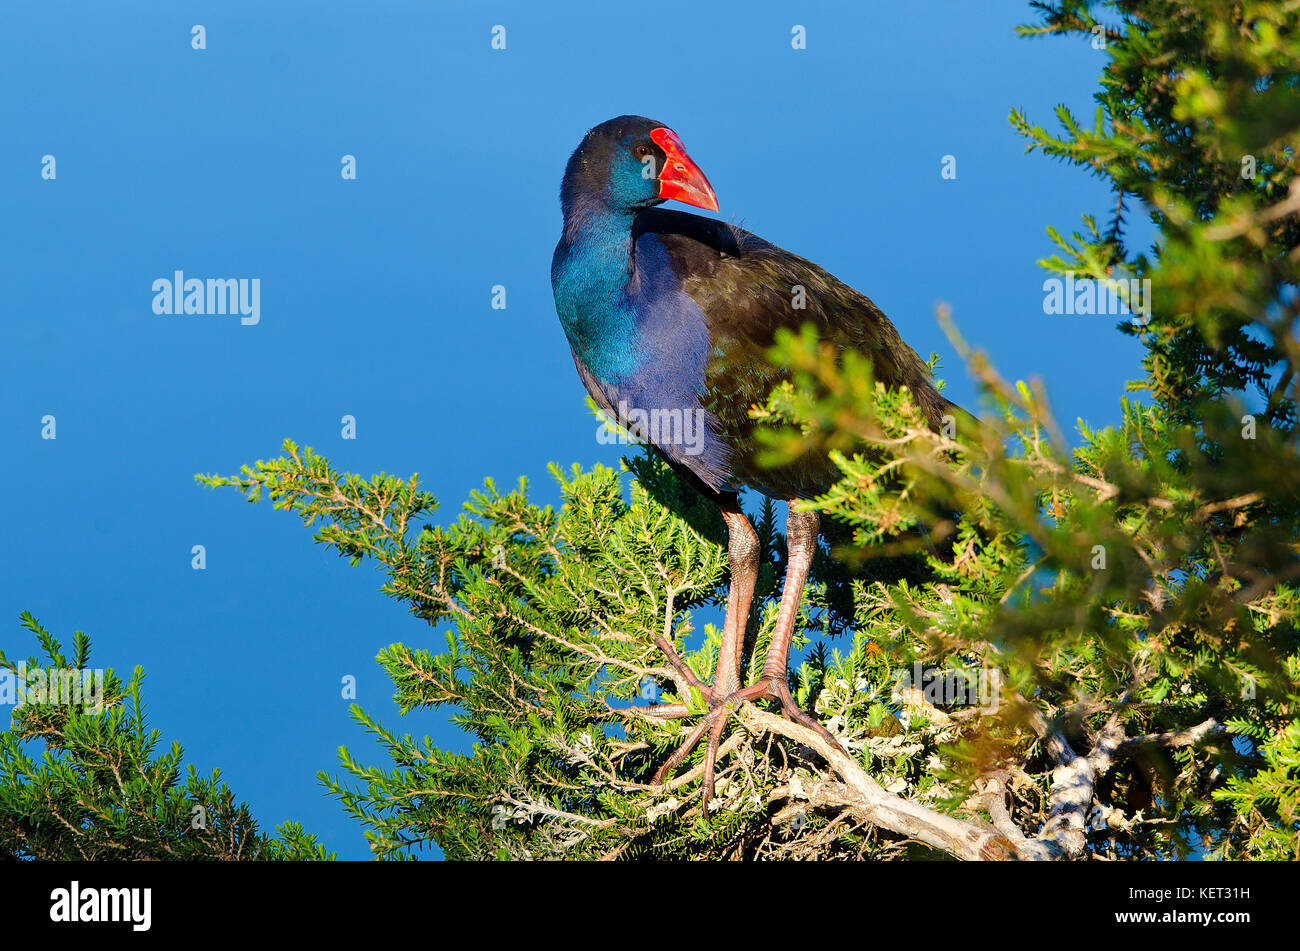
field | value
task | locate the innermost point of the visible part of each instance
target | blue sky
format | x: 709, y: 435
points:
x: 376, y: 293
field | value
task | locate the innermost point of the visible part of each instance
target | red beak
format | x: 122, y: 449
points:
x: 681, y: 177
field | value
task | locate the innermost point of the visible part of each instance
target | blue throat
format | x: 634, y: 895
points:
x: 590, y: 273
x: 634, y: 330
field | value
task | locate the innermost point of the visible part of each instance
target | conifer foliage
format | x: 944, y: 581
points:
x: 100, y: 789
x: 1029, y: 647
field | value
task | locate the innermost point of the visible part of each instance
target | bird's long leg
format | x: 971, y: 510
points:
x: 801, y: 530
x: 801, y: 546
x: 742, y: 552
x: 726, y: 694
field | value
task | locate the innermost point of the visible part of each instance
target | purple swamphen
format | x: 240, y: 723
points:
x: 669, y: 316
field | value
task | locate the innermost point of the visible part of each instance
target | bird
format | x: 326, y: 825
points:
x: 669, y: 316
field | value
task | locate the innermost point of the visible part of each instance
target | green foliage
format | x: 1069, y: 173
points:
x: 1268, y: 801
x: 1196, y: 123
x: 1198, y: 120
x: 551, y: 624
x: 100, y: 788
x: 1134, y: 599
x: 1129, y: 605
x: 1149, y: 574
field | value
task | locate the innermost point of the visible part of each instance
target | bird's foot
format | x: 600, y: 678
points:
x: 715, y: 721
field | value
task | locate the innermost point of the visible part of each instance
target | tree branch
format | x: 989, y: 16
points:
x: 869, y: 801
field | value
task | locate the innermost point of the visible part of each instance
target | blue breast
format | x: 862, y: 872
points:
x: 641, y: 344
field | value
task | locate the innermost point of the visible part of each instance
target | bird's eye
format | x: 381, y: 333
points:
x: 643, y: 150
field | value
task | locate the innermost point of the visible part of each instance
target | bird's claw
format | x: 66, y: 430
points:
x: 714, y: 722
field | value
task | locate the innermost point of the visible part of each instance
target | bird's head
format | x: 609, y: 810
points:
x: 630, y: 163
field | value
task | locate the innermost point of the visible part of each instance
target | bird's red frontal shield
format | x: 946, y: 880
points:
x: 681, y: 178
